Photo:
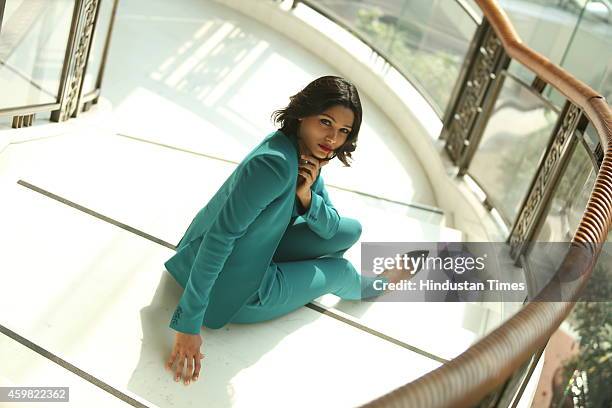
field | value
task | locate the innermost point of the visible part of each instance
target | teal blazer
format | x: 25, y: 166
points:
x: 225, y: 255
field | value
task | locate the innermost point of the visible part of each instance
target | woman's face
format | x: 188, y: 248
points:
x: 328, y: 129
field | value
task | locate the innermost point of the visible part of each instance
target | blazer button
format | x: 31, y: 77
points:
x: 177, y: 314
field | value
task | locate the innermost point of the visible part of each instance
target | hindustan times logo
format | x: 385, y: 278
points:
x: 458, y: 264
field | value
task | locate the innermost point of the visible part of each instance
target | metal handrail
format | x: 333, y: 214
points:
x: 487, y: 364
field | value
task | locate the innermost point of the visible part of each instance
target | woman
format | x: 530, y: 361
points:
x: 270, y: 240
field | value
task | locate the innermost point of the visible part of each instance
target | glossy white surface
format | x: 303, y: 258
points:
x: 99, y: 297
x: 201, y: 77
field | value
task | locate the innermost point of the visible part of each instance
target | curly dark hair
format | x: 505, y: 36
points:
x: 319, y: 95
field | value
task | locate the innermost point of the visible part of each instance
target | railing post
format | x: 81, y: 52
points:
x: 75, y: 61
x: 510, y: 392
x: 107, y: 41
x: 20, y: 121
x: 474, y: 95
x: 546, y: 179
x: 2, y: 6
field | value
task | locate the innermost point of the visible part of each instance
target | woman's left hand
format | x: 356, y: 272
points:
x: 308, y: 170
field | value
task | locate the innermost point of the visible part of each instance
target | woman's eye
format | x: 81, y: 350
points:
x: 325, y: 122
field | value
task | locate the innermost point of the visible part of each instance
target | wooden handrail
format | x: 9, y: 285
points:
x: 468, y: 378
x: 574, y: 89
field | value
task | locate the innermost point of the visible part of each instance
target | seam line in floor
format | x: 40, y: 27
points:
x: 328, y: 311
x: 70, y: 367
x: 422, y: 207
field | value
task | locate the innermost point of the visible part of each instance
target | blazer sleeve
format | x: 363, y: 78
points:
x: 261, y: 180
x: 322, y: 217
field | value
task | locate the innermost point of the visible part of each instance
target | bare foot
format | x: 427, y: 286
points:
x: 395, y: 275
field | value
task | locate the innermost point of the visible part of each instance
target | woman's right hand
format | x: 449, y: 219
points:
x: 186, y: 346
x: 309, y: 168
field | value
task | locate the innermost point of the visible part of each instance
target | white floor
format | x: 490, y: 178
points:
x: 102, y: 301
x: 22, y: 367
x: 192, y: 86
x: 102, y: 298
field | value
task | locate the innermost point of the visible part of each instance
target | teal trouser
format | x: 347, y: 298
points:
x: 308, y: 267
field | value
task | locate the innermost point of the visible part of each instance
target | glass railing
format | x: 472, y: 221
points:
x: 561, y: 217
x: 529, y: 134
x: 426, y: 41
x: 507, y: 156
x: 33, y: 44
x: 48, y: 66
x: 92, y: 81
